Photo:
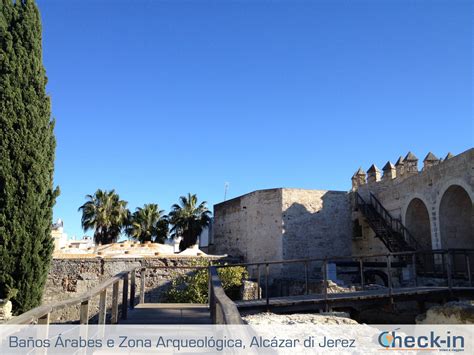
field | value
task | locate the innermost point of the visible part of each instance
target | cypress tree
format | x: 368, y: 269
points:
x: 27, y: 147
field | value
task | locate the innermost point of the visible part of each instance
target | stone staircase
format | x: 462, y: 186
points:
x: 393, y: 234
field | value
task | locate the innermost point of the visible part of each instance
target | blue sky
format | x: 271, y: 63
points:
x: 160, y: 98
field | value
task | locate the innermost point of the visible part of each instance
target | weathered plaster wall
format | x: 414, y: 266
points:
x: 429, y: 186
x: 70, y: 277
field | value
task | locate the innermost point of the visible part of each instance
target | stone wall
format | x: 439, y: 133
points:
x: 282, y: 224
x: 435, y: 203
x: 316, y: 224
x: 249, y: 226
x: 70, y: 277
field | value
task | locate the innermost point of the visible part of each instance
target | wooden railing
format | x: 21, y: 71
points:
x: 451, y: 263
x: 223, y: 309
x: 41, y: 314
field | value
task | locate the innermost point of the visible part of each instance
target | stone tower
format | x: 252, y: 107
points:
x: 389, y: 171
x: 411, y: 164
x: 373, y: 174
x: 430, y: 160
x: 400, y: 167
x: 358, y: 179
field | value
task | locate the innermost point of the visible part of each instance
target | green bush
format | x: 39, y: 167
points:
x: 194, y: 287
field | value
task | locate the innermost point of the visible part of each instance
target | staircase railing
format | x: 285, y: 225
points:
x: 394, y: 223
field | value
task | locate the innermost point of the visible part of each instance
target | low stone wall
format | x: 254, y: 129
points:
x: 70, y: 277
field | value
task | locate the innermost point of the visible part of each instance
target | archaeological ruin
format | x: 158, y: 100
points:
x: 400, y: 208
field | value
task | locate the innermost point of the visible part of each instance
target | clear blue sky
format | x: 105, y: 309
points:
x: 160, y: 98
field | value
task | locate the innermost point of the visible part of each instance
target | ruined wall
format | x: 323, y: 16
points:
x: 249, y: 226
x: 316, y: 224
x: 70, y: 277
x: 425, y: 201
x: 284, y: 224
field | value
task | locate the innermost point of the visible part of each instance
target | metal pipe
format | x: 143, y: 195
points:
x: 259, y: 291
x: 415, y: 276
x: 267, y: 267
x: 306, y: 281
x: 468, y: 268
x: 325, y: 280
x: 389, y: 272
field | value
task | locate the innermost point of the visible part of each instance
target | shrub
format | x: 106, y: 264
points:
x: 194, y: 287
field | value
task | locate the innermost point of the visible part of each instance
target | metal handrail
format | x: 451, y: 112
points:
x: 390, y: 265
x: 400, y: 228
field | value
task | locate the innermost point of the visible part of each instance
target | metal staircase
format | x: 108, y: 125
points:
x: 389, y: 230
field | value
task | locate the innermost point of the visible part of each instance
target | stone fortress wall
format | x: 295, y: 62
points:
x: 435, y: 204
x: 283, y: 224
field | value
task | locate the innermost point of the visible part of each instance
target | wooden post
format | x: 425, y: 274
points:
x: 468, y: 269
x: 325, y: 280
x: 361, y: 270
x: 42, y: 332
x: 267, y: 267
x: 212, y: 301
x: 306, y: 280
x: 103, y: 306
x: 115, y: 295
x: 84, y: 313
x: 44, y: 320
x: 132, y: 289
x: 142, y: 285
x: 389, y: 274
x: 415, y: 277
x: 125, y: 297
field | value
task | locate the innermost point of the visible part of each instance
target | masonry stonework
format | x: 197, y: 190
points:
x: 435, y: 204
x: 70, y: 277
x: 283, y: 224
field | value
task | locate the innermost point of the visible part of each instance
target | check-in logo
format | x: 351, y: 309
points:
x: 394, y: 340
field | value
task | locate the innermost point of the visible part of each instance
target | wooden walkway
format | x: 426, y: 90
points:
x: 176, y: 313
x: 352, y: 299
x: 168, y: 313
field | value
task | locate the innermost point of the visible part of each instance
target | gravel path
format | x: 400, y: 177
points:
x: 302, y: 318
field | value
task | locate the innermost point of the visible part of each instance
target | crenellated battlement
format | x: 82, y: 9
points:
x: 403, y: 168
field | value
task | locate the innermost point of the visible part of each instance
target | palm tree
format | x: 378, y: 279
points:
x: 106, y: 214
x: 189, y: 219
x: 147, y: 223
